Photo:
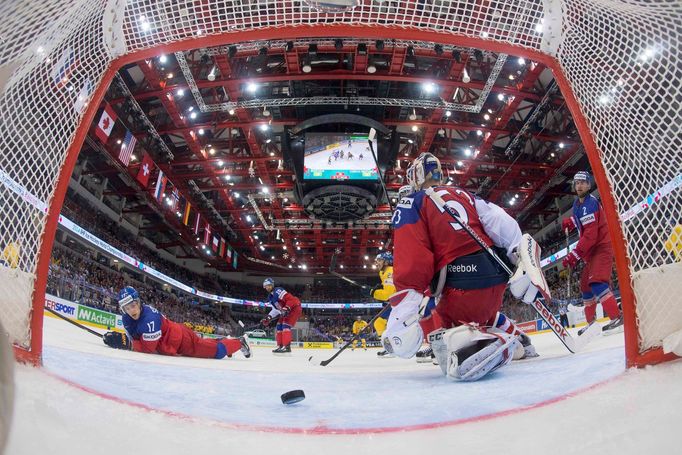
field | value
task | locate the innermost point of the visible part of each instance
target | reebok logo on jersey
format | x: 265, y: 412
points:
x: 461, y: 268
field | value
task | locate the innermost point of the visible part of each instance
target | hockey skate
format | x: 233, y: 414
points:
x: 613, y: 327
x: 245, y: 349
x: 584, y: 329
x: 283, y: 350
x: 384, y: 354
x: 424, y: 354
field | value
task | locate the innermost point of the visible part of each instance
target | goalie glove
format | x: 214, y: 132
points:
x: 117, y: 340
x: 528, y: 279
x: 403, y: 335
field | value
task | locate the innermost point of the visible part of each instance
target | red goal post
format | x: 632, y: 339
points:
x: 616, y: 63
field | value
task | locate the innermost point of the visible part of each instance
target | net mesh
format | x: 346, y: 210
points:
x: 621, y: 59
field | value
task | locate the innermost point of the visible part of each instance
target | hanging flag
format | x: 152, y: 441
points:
x: 83, y: 96
x: 127, y: 148
x: 106, y: 123
x: 160, y: 185
x: 145, y: 170
x: 215, y: 244
x: 185, y: 218
x: 221, y: 250
x: 62, y: 69
x: 207, y: 234
x: 196, y: 224
x: 234, y: 260
x: 175, y: 198
x: 229, y: 253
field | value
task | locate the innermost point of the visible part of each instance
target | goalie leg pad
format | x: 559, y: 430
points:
x: 466, y: 354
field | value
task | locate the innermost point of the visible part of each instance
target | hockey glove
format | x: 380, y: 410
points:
x: 374, y: 289
x: 117, y: 340
x: 403, y: 335
x: 285, y: 312
x: 567, y: 224
x: 571, y: 260
x: 265, y: 322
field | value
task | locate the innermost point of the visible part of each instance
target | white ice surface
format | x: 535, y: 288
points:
x: 234, y: 405
x: 320, y: 160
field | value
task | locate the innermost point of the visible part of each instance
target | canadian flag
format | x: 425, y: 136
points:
x: 145, y: 170
x: 106, y: 123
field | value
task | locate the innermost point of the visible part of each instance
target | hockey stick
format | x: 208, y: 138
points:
x: 572, y: 344
x: 324, y: 363
x: 370, y: 138
x: 332, y: 266
x: 568, y: 284
x: 74, y: 322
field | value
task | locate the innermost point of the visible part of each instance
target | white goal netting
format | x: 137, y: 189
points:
x: 621, y: 59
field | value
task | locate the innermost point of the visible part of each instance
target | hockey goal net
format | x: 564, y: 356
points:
x: 617, y: 63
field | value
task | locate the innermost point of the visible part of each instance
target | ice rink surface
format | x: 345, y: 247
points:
x: 90, y: 398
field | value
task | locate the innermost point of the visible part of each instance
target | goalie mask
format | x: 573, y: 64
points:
x: 425, y: 167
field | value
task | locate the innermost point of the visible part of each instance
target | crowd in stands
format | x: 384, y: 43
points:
x: 76, y: 275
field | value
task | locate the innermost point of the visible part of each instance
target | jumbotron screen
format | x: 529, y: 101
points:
x: 335, y: 156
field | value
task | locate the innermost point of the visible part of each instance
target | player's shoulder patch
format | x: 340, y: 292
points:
x: 407, y: 210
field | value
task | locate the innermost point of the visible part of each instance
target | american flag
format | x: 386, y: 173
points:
x: 127, y: 148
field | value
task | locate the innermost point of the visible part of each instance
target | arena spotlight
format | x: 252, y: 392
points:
x: 231, y: 51
x: 457, y: 55
x: 362, y: 49
x: 410, y: 51
x: 338, y: 44
x: 312, y: 49
x: 438, y: 49
x: 379, y: 45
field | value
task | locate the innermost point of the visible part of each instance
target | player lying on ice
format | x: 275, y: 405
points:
x: 469, y: 336
x: 147, y: 330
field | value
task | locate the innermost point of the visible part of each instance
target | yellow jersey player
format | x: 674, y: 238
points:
x: 383, y: 291
x: 358, y: 326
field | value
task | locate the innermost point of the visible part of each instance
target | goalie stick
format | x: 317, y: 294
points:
x: 571, y: 343
x: 324, y: 363
x: 74, y: 323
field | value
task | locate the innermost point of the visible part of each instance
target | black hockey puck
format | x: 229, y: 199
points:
x: 293, y: 396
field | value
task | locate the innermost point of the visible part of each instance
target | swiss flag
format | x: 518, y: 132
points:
x: 145, y: 170
x: 106, y: 123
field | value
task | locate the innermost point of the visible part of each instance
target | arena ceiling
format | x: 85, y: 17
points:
x: 212, y: 119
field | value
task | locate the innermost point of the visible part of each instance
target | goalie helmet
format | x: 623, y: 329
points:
x: 268, y: 282
x: 583, y: 176
x: 425, y: 167
x: 126, y: 296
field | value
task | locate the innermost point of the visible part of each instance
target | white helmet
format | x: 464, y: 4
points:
x: 268, y: 282
x: 425, y: 167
